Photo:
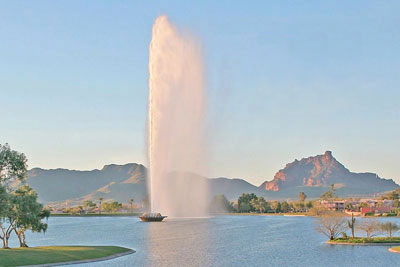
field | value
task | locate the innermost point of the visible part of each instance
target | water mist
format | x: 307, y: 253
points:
x: 176, y: 110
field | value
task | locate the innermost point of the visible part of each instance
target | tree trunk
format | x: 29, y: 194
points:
x: 5, y: 241
x: 21, y: 238
x: 331, y: 237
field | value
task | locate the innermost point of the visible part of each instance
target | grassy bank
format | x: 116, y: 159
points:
x: 56, y: 254
x: 95, y: 214
x: 364, y: 240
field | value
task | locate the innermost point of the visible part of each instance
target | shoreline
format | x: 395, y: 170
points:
x: 393, y: 250
x: 131, y: 251
x: 362, y: 244
x: 95, y: 215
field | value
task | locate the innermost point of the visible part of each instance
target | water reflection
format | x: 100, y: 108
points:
x: 176, y: 242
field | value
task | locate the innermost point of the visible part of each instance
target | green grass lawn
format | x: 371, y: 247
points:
x: 358, y: 240
x: 56, y: 254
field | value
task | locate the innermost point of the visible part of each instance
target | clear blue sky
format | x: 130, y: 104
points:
x: 285, y: 79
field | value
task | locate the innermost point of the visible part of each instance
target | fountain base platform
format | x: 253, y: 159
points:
x: 152, y: 217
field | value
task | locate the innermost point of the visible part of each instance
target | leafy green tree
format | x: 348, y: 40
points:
x: 329, y: 195
x: 276, y: 206
x: 112, y: 206
x: 245, y: 207
x: 89, y: 205
x: 13, y: 168
x: 285, y: 206
x: 28, y: 213
x: 220, y: 204
x: 244, y: 202
x: 259, y: 204
x: 13, y: 165
x: 5, y: 208
x: 298, y: 206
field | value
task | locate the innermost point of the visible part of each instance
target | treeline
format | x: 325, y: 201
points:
x: 20, y: 210
x: 253, y: 203
x: 90, y: 206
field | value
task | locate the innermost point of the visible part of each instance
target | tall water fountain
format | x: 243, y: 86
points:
x: 176, y: 121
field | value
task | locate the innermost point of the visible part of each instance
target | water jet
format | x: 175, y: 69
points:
x: 176, y: 122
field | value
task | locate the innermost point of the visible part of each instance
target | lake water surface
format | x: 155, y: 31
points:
x: 215, y: 241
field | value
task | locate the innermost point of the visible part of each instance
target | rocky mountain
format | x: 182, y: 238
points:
x: 314, y: 175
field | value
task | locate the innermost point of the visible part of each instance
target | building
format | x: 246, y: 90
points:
x: 375, y: 210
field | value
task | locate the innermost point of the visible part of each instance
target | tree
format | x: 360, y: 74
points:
x: 13, y: 166
x: 244, y: 207
x: 131, y: 204
x: 244, y: 202
x: 259, y: 204
x: 28, y: 213
x: 369, y: 226
x: 298, y: 206
x: 285, y: 206
x: 5, y: 209
x: 393, y: 195
x: 351, y: 224
x: 328, y: 195
x: 100, y: 201
x: 112, y: 206
x: 389, y: 228
x: 220, y: 204
x: 331, y: 225
x: 276, y: 206
x: 302, y: 196
x: 332, y: 188
x: 89, y: 205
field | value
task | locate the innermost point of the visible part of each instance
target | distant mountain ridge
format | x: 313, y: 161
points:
x: 323, y: 170
x: 311, y: 175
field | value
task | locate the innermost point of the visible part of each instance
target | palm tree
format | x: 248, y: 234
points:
x: 100, y: 200
x: 131, y: 204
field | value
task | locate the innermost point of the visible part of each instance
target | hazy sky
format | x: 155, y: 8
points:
x: 285, y: 80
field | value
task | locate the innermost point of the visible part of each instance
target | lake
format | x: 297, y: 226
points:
x: 215, y: 241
